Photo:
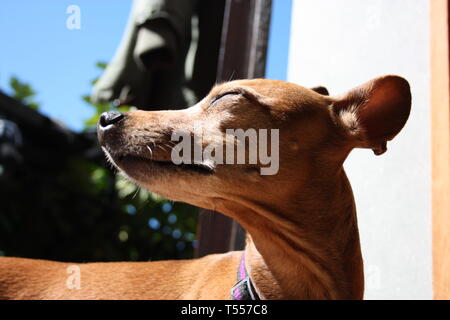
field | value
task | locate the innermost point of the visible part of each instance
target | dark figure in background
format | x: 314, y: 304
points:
x: 168, y: 56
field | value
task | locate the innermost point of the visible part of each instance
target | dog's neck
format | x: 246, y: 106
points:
x: 315, y: 255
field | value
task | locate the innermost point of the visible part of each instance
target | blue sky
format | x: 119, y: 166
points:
x: 59, y: 63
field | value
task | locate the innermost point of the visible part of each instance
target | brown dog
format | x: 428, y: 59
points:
x: 303, y: 238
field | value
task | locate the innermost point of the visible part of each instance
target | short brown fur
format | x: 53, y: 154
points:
x: 303, y: 240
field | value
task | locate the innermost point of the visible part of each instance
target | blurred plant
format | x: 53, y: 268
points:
x: 78, y: 209
x: 23, y: 92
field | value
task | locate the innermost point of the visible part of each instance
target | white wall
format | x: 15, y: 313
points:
x: 341, y: 44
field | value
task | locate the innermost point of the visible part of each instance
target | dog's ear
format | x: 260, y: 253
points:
x: 374, y: 112
x: 321, y: 90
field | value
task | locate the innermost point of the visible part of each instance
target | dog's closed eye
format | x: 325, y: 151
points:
x: 223, y: 95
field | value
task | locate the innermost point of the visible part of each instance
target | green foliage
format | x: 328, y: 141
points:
x: 23, y: 92
x: 101, y: 65
x: 70, y: 208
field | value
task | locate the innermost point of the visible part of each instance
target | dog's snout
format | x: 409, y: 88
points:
x: 110, y: 117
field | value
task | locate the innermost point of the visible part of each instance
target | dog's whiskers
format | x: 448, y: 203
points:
x: 169, y: 146
x: 138, y: 188
x: 151, y: 152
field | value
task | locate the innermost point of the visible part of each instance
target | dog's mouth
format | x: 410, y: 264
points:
x: 195, y: 167
x: 125, y: 161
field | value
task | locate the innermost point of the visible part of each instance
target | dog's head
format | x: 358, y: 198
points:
x: 249, y: 138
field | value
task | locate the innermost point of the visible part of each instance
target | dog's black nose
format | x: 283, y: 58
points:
x: 110, y: 117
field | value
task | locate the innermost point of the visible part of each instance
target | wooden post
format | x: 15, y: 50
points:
x: 242, y: 55
x: 440, y: 143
